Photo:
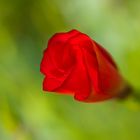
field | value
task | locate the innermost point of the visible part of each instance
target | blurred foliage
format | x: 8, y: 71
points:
x: 26, y: 113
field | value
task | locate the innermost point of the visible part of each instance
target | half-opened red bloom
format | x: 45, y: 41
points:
x: 75, y: 64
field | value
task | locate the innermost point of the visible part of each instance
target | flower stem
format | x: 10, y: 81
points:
x: 129, y: 92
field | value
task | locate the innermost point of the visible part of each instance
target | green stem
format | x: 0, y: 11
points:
x: 129, y: 92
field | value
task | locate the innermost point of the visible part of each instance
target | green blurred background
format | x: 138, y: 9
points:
x: 26, y: 113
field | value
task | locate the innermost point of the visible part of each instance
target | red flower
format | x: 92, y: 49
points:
x: 75, y: 64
